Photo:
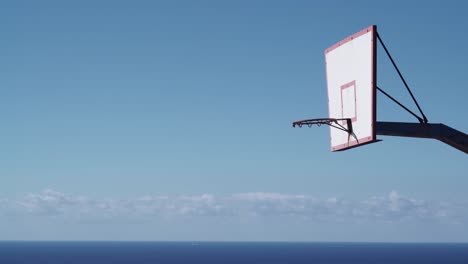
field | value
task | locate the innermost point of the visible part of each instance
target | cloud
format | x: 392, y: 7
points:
x: 256, y: 205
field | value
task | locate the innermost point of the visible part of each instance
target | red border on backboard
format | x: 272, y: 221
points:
x: 366, y: 140
x: 355, y: 35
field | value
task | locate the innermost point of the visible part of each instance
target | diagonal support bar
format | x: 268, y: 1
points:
x: 402, y: 79
x: 444, y: 133
x: 400, y: 104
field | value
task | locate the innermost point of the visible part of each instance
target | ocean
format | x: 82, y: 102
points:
x: 230, y: 252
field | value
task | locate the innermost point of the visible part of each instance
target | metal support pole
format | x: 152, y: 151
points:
x: 444, y: 133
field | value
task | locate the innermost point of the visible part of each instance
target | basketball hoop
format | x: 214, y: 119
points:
x: 333, y: 122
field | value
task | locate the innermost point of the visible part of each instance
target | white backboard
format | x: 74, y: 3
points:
x: 351, y: 82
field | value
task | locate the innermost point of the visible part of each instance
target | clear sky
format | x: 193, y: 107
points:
x: 171, y: 120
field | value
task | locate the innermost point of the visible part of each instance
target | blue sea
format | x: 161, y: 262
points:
x: 230, y: 252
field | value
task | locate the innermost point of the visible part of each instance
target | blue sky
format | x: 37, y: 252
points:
x: 188, y: 106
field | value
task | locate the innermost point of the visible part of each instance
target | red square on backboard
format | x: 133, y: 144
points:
x: 348, y: 101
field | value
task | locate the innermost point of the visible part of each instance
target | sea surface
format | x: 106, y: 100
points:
x: 230, y: 252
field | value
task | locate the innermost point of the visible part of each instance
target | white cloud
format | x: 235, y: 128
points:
x: 392, y: 207
x: 262, y: 196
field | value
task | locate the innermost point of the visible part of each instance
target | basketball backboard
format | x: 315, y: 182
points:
x: 351, y: 86
x: 351, y: 73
